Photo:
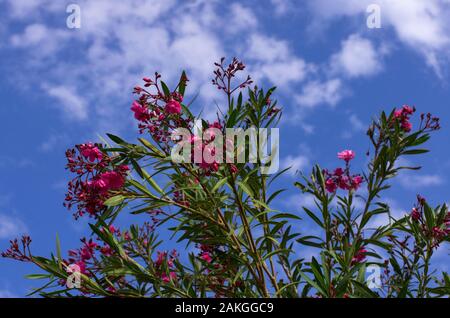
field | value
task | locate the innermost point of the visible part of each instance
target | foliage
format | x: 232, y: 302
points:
x: 231, y: 242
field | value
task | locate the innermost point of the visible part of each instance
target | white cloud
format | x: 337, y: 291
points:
x: 414, y: 181
x: 11, y: 226
x: 315, y: 93
x: 282, y: 6
x: 357, y: 57
x: 298, y: 201
x: 396, y: 212
x: 274, y: 60
x: 33, y: 34
x: 356, y: 123
x: 120, y: 42
x: 421, y: 25
x: 43, y: 41
x: 268, y: 49
x: 241, y: 18
x: 52, y: 142
x: 22, y: 9
x: 74, y: 105
x: 296, y: 164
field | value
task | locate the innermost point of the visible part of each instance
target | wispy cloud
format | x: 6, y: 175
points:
x: 274, y: 60
x: 357, y: 57
x: 295, y: 163
x: 11, y: 226
x: 298, y: 201
x: 421, y: 25
x: 53, y: 141
x: 415, y: 181
x: 73, y: 104
x: 315, y: 93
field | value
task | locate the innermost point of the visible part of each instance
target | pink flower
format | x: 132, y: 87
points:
x: 81, y: 267
x: 398, y: 113
x: 234, y: 169
x: 98, y: 184
x: 346, y: 155
x: 91, y: 151
x: 216, y: 125
x: 173, y: 107
x: 140, y: 112
x: 343, y: 182
x: 124, y: 168
x: 160, y: 258
x: 415, y: 214
x: 360, y: 256
x: 439, y: 233
x: 408, y: 110
x: 85, y: 254
x: 406, y: 126
x: 356, y: 182
x: 166, y: 279
x: 330, y: 185
x: 402, y: 115
x: 206, y: 257
x: 113, y: 229
x: 113, y: 180
x: 106, y: 250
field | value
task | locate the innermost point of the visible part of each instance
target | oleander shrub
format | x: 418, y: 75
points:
x: 228, y: 240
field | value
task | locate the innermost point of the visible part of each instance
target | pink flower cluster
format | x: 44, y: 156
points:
x: 359, y: 256
x: 206, y: 253
x: 208, y: 151
x: 341, y: 178
x: 438, y: 233
x: 20, y: 252
x: 217, y: 269
x: 160, y: 112
x: 429, y: 122
x: 403, y: 115
x: 224, y: 74
x: 87, y: 258
x: 164, y: 265
x: 157, y: 111
x: 94, y: 180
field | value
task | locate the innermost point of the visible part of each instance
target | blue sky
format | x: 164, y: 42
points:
x: 61, y: 86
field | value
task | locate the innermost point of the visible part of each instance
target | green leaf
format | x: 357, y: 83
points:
x: 151, y: 147
x: 415, y: 151
x: 364, y: 290
x: 182, y: 83
x: 219, y: 184
x: 58, y: 250
x: 115, y: 200
x: 313, y: 284
x: 38, y: 276
x: 313, y: 217
x: 246, y: 189
x: 117, y: 140
x: 429, y: 216
x: 166, y: 89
